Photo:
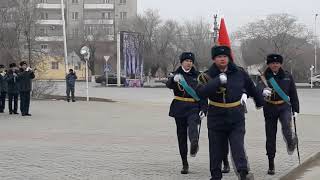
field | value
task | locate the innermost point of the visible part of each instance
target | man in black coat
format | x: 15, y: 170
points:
x: 226, y: 113
x: 70, y: 83
x: 186, y: 110
x: 25, y: 77
x: 277, y: 109
x: 3, y: 87
x: 13, y: 90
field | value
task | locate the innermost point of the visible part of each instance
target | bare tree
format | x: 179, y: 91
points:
x: 277, y: 33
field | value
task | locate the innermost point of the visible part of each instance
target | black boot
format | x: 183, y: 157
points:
x: 244, y: 175
x: 185, y: 166
x: 292, y: 146
x: 194, y: 148
x: 271, y: 170
x: 226, y: 166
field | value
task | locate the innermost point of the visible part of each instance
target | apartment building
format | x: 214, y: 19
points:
x: 95, y: 20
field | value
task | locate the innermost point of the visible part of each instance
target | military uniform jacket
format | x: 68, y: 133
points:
x: 182, y: 109
x: 3, y: 83
x: 25, y: 80
x: 286, y: 82
x: 12, y: 83
x: 238, y: 83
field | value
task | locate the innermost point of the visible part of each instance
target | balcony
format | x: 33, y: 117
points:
x: 50, y: 22
x: 49, y: 38
x: 100, y: 38
x: 98, y: 21
x: 48, y: 6
x: 98, y: 6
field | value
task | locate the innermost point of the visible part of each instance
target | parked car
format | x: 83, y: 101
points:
x: 315, y: 80
x: 112, y: 79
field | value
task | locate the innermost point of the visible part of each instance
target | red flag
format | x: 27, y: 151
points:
x: 223, y: 39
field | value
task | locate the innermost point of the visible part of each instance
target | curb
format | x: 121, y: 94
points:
x: 291, y: 175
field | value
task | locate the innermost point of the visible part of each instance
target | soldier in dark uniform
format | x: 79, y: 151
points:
x: 276, y: 108
x: 13, y: 91
x: 226, y: 120
x: 185, y: 109
x: 71, y: 80
x: 25, y: 77
x: 3, y: 88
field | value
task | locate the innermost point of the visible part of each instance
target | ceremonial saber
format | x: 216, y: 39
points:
x: 296, y: 134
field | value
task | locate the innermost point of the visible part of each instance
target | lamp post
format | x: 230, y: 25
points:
x: 315, y: 43
x: 85, y: 51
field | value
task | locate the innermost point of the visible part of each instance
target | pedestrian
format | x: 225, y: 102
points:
x: 71, y: 81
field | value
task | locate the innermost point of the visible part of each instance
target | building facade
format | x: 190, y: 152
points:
x: 93, y: 21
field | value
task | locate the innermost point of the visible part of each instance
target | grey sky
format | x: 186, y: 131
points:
x: 236, y: 12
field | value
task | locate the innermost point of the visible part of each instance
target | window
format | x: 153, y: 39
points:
x: 91, y: 30
x: 75, y: 32
x: 106, y: 1
x: 123, y: 15
x: 75, y: 1
x: 55, y: 65
x: 78, y: 66
x: 107, y: 30
x: 44, y: 15
x: 123, y: 1
x: 43, y: 32
x: 106, y: 15
x: 43, y: 1
x: 75, y: 15
x: 44, y: 46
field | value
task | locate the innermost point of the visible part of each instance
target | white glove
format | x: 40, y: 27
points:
x: 244, y: 99
x: 15, y: 74
x: 223, y: 78
x: 266, y: 92
x: 3, y: 74
x: 202, y: 114
x: 177, y: 78
x: 294, y: 114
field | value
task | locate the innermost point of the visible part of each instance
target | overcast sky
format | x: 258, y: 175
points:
x: 236, y: 12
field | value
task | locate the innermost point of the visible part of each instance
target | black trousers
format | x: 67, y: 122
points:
x: 70, y: 90
x: 13, y: 100
x: 24, y: 102
x: 218, y: 148
x: 187, y: 126
x: 3, y: 100
x: 272, y: 114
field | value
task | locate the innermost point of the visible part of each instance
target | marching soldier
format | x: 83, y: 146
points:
x: 186, y: 108
x: 276, y: 106
x: 227, y: 90
x: 25, y: 77
x: 3, y: 88
x: 13, y: 91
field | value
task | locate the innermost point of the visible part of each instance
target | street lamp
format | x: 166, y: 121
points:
x: 315, y: 43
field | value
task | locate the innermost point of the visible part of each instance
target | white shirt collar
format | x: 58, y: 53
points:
x: 186, y: 70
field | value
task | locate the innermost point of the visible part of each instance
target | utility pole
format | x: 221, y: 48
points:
x: 215, y: 30
x: 64, y: 38
x: 315, y: 43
